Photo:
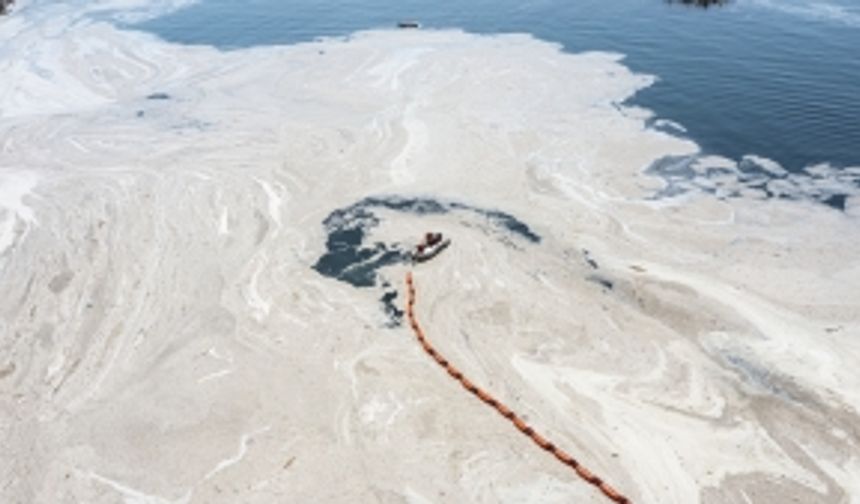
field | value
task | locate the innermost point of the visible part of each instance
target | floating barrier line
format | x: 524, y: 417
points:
x: 503, y: 410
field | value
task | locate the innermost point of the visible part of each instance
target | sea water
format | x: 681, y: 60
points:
x: 778, y: 79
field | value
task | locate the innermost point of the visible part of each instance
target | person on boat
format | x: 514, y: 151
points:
x: 432, y: 239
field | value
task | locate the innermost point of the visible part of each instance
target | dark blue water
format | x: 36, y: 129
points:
x: 777, y: 78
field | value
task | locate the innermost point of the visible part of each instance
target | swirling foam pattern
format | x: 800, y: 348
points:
x: 165, y: 338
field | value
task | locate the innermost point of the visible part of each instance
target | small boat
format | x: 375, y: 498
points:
x: 430, y: 247
x: 409, y: 24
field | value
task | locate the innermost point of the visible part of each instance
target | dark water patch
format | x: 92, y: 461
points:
x: 502, y: 220
x: 589, y: 260
x: 350, y: 257
x: 512, y: 224
x: 390, y: 306
x: 837, y: 201
x: 418, y: 206
x: 347, y: 257
x: 602, y: 281
x: 425, y: 206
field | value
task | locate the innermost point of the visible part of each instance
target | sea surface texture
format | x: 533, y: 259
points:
x: 203, y: 246
x: 772, y: 78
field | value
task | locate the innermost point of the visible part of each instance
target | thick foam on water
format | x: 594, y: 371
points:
x: 756, y: 177
x: 15, y: 216
x: 686, y: 325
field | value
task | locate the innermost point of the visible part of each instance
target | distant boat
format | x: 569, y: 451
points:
x: 700, y: 3
x: 409, y: 24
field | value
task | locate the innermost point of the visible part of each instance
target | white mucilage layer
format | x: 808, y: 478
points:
x: 159, y: 304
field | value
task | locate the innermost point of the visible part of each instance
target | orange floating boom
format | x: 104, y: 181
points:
x: 503, y: 410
